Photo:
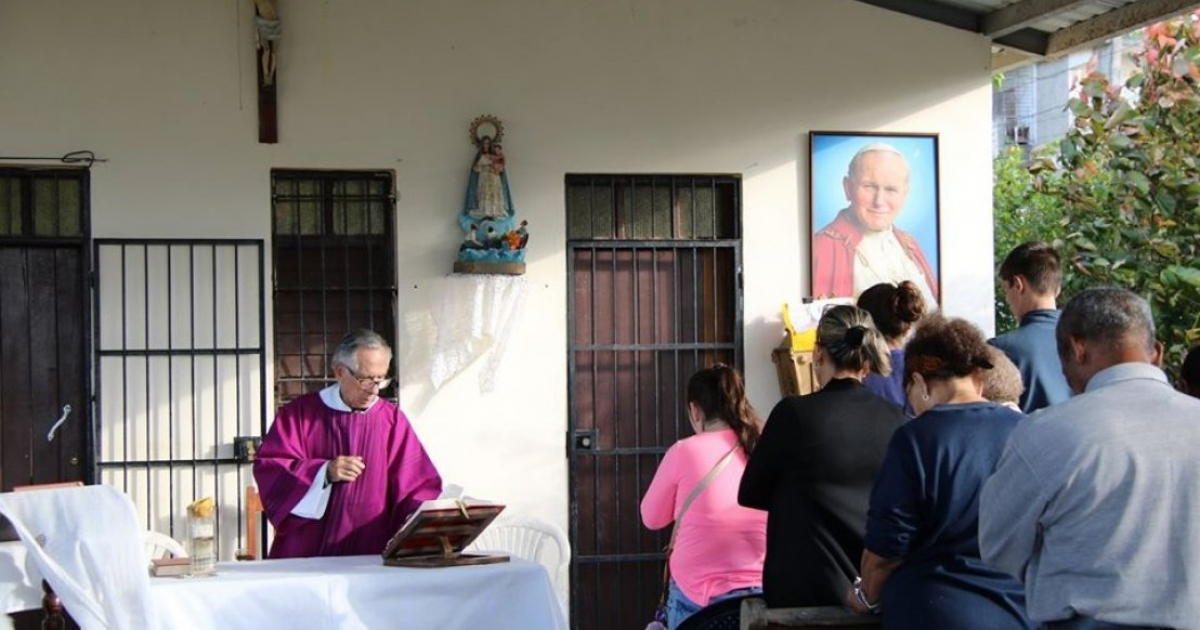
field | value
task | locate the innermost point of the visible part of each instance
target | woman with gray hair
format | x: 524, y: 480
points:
x: 1002, y: 384
x: 814, y: 465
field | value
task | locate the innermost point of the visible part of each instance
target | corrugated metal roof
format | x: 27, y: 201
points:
x: 1041, y: 27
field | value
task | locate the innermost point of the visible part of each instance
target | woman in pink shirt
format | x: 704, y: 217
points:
x: 719, y: 545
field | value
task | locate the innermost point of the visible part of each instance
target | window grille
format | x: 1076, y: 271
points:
x: 333, y: 252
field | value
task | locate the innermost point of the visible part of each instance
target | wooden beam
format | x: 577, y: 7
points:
x: 1023, y: 14
x: 1028, y: 40
x: 1131, y: 16
x: 1008, y: 58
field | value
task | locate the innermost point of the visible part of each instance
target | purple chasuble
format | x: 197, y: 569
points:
x: 362, y: 514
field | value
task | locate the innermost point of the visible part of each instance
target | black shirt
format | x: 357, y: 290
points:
x: 813, y: 471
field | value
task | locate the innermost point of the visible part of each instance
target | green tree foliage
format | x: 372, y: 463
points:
x: 1022, y: 214
x: 1120, y: 195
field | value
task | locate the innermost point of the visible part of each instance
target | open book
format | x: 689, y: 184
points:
x: 438, y: 531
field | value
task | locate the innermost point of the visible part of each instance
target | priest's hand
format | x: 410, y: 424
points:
x: 344, y: 468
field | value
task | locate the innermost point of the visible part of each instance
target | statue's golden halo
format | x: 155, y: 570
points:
x: 484, y: 121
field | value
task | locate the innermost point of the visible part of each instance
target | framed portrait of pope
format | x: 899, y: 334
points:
x: 874, y: 208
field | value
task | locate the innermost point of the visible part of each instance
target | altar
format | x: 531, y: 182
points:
x: 359, y: 592
x: 344, y: 592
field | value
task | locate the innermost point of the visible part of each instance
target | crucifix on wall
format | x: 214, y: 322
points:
x: 266, y: 36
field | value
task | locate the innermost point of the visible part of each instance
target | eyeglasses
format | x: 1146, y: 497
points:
x: 371, y: 383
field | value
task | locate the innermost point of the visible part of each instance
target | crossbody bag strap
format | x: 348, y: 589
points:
x: 712, y: 474
x: 687, y: 503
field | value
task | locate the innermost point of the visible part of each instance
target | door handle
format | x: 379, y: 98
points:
x: 66, y: 411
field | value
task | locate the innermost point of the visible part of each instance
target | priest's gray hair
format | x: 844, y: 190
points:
x: 347, y: 350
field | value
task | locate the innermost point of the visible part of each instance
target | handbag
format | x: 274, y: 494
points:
x: 660, y: 613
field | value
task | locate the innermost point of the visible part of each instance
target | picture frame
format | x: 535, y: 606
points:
x: 879, y: 224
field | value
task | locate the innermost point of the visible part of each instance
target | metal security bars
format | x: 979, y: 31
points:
x: 334, y: 268
x: 180, y: 372
x: 654, y: 267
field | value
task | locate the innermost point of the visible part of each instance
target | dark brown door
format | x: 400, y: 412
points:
x: 43, y: 354
x: 653, y: 266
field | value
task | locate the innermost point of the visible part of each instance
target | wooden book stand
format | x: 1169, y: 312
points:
x: 437, y: 537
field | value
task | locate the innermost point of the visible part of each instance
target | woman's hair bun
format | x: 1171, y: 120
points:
x: 855, y: 336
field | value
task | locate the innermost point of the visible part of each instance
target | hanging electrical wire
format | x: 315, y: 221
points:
x: 85, y: 157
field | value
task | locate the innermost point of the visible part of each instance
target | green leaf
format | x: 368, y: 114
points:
x: 1189, y: 275
x: 1139, y: 181
x: 1069, y: 150
x: 1166, y: 249
x: 1166, y: 201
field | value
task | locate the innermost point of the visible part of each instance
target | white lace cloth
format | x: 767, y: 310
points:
x: 87, y: 543
x: 474, y: 316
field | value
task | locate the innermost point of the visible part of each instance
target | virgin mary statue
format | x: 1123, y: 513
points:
x: 488, y: 196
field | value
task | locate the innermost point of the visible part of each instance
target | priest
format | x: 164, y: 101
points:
x: 340, y: 469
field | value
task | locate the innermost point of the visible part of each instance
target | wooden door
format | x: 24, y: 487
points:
x: 43, y: 365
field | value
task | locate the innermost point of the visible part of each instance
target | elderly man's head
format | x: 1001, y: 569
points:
x: 361, y: 364
x: 1103, y: 327
x: 876, y: 186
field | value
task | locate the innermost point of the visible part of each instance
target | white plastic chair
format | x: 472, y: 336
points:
x: 534, y: 540
x: 157, y: 545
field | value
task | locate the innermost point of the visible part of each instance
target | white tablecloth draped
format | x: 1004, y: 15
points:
x: 359, y: 592
x: 86, y: 542
x: 18, y: 589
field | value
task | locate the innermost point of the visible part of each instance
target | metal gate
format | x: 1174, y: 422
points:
x: 654, y: 272
x: 180, y: 375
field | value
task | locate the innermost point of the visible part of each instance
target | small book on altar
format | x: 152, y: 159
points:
x: 170, y: 567
x: 438, y: 531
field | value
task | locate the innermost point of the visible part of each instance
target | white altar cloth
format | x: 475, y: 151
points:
x: 18, y: 590
x: 359, y: 592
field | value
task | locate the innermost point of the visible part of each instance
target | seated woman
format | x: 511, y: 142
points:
x: 718, y: 546
x: 894, y: 308
x: 816, y: 462
x: 922, y: 559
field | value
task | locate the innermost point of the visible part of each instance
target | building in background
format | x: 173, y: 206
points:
x: 1029, y: 103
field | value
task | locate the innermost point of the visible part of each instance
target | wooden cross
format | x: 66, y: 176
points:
x: 266, y: 35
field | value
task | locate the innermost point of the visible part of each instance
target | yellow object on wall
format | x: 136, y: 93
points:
x: 799, y: 341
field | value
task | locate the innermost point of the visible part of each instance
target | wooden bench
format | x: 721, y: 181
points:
x: 756, y: 616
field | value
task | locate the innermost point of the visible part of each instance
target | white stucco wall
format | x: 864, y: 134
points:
x: 165, y: 91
